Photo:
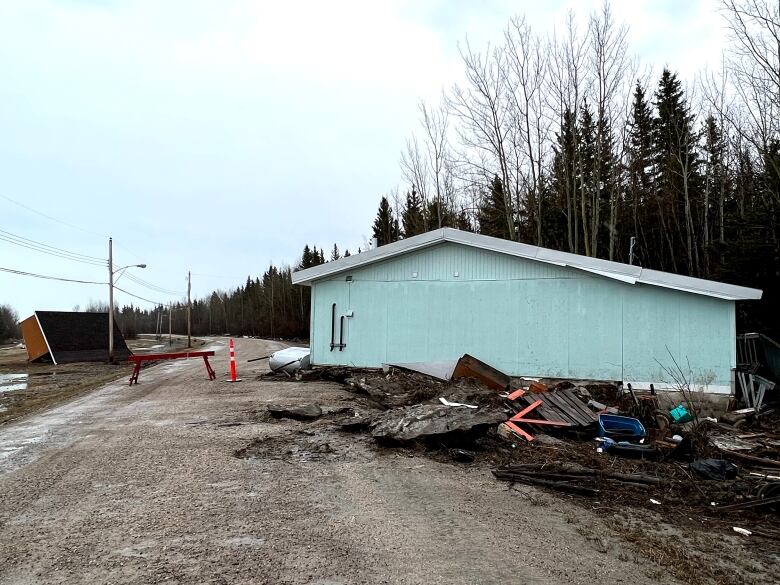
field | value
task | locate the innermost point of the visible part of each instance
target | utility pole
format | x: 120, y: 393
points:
x: 170, y: 337
x: 111, y: 273
x: 110, y: 301
x: 189, y: 309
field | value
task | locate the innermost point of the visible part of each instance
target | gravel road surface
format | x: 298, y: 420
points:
x: 141, y: 485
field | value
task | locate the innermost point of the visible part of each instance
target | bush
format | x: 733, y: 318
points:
x: 9, y: 323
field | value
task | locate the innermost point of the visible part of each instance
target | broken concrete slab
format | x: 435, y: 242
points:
x: 428, y: 420
x: 301, y: 412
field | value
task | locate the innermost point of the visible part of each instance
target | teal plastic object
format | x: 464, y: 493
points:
x: 680, y: 414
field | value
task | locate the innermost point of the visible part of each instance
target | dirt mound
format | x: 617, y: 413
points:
x: 290, y: 448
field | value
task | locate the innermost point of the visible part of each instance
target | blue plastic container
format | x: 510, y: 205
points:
x: 680, y: 414
x: 621, y: 428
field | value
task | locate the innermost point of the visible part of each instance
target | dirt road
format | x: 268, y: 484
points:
x: 141, y: 485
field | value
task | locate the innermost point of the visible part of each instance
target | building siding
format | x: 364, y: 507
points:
x: 441, y: 262
x: 522, y: 316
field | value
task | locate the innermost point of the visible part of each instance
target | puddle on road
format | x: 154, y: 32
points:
x: 19, y: 382
x: 150, y: 348
x: 12, y: 382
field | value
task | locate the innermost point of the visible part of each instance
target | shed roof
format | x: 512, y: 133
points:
x: 614, y: 270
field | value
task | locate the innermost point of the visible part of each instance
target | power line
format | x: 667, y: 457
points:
x: 150, y: 286
x: 140, y: 281
x: 70, y: 225
x: 23, y: 273
x: 137, y: 297
x: 57, y: 248
x: 75, y: 256
x: 48, y: 249
x: 44, y: 248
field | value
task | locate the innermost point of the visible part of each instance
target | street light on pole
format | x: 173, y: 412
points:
x: 111, y: 273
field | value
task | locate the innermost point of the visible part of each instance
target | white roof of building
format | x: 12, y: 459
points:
x: 615, y: 270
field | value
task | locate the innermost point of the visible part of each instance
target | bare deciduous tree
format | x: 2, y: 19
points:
x: 480, y: 107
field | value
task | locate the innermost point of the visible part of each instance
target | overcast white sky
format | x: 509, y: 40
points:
x: 220, y: 136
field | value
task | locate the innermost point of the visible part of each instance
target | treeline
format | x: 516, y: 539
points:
x: 265, y: 306
x: 558, y: 140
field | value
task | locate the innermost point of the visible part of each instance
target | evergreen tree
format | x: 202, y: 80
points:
x: 385, y: 225
x: 306, y: 258
x: 346, y: 253
x: 334, y: 253
x: 676, y: 167
x: 462, y: 221
x: 563, y: 185
x: 492, y: 212
x: 715, y: 188
x: 586, y: 158
x: 448, y: 217
x: 640, y: 168
x: 412, y: 218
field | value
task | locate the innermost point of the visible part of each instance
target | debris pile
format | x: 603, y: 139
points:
x: 588, y: 438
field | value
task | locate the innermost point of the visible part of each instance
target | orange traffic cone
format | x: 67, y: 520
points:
x: 233, y: 377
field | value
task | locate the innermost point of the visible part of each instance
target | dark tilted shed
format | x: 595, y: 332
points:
x: 63, y: 337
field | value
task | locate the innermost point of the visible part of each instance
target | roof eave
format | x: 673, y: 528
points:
x: 614, y: 270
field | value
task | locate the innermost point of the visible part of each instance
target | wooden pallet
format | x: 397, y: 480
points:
x: 558, y: 405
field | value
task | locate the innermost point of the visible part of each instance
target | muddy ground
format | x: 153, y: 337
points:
x: 144, y: 485
x: 26, y: 388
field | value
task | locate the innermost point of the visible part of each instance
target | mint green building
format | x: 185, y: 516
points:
x: 526, y: 310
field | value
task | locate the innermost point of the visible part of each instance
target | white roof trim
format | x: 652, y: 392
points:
x: 614, y: 270
x: 40, y: 327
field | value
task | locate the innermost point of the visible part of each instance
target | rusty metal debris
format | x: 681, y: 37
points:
x: 470, y: 367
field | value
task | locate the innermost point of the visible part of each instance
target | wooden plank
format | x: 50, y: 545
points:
x: 563, y: 406
x: 149, y: 357
x: 584, y: 408
x: 542, y: 410
x: 526, y: 410
x: 547, y: 410
x: 535, y: 421
x: 577, y: 405
x: 552, y: 412
x: 516, y: 394
x: 750, y: 504
x: 515, y: 429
